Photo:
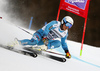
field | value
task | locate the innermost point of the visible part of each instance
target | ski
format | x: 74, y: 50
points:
x: 57, y: 58
x: 24, y: 52
x: 29, y: 53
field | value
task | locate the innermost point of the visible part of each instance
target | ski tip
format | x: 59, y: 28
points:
x: 57, y: 58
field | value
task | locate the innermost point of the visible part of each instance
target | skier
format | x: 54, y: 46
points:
x: 50, y: 33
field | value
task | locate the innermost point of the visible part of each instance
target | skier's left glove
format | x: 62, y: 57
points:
x: 68, y: 55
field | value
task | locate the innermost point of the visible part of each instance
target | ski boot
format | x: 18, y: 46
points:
x: 43, y: 47
x: 14, y: 43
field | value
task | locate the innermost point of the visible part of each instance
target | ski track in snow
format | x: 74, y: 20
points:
x: 85, y: 61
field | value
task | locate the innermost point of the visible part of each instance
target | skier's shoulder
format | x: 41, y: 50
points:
x: 54, y: 22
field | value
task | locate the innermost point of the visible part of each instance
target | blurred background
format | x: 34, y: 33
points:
x: 46, y: 10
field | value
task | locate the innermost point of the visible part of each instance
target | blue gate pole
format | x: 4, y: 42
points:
x: 30, y: 23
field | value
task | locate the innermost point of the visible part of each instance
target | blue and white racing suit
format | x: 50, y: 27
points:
x: 52, y: 32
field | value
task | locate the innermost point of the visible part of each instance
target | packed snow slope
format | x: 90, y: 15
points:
x: 12, y: 61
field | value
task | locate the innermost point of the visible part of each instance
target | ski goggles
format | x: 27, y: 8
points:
x: 69, y: 25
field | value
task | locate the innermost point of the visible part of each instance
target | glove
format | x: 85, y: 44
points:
x: 68, y: 55
x: 45, y: 40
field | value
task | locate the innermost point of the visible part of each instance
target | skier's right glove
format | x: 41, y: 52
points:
x: 45, y: 40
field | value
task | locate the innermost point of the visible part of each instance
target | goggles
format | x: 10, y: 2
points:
x: 69, y: 25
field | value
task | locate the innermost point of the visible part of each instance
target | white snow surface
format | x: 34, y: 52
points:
x: 12, y: 61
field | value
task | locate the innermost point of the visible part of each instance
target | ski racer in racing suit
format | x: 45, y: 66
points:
x: 50, y: 33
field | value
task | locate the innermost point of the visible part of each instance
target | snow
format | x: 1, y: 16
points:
x: 12, y: 61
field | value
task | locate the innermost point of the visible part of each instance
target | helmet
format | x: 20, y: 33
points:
x: 68, y: 21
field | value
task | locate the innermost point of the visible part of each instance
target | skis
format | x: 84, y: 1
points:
x: 34, y: 52
x: 49, y: 54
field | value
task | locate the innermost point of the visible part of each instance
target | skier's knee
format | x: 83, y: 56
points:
x: 57, y: 44
x: 54, y: 44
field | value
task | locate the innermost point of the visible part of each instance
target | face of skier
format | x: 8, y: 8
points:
x: 64, y: 27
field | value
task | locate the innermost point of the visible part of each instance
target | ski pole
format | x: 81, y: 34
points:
x: 24, y: 30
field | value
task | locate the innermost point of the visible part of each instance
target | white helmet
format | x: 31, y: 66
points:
x: 68, y: 19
